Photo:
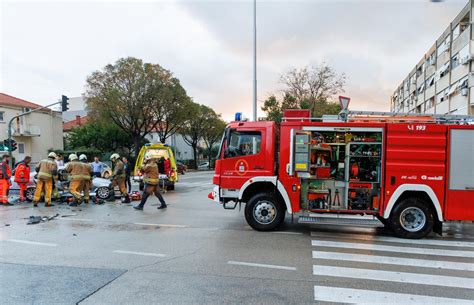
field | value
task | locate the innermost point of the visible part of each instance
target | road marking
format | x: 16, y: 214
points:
x: 159, y: 225
x: 397, y: 249
x: 376, y: 259
x: 286, y: 232
x: 359, y: 296
x: 140, y: 253
x: 431, y: 242
x: 393, y: 276
x: 36, y: 243
x: 77, y: 219
x: 261, y: 265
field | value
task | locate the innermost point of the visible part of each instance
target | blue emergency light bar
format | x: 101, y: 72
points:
x: 238, y: 116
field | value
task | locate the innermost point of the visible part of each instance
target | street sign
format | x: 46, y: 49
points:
x: 344, y: 102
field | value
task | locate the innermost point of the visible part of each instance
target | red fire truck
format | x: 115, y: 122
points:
x: 409, y: 173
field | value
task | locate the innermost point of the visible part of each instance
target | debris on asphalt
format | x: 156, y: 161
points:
x: 7, y: 225
x: 74, y: 234
x: 69, y: 215
x: 32, y: 220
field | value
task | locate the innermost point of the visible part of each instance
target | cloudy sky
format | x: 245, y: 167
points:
x: 48, y: 48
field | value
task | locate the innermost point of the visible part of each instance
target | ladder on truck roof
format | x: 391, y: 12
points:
x: 393, y: 117
x: 401, y: 117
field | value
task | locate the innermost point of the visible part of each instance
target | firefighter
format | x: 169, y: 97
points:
x: 22, y: 176
x: 152, y: 183
x: 5, y: 174
x: 47, y: 171
x: 87, y: 172
x: 75, y: 171
x: 118, y: 177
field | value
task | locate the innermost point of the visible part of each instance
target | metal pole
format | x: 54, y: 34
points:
x: 255, y: 60
x: 10, y: 153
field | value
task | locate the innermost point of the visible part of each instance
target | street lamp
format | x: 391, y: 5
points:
x: 255, y: 60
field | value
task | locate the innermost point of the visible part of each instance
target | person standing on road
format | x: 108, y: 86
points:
x: 22, y: 176
x: 118, y: 177
x: 128, y: 172
x: 97, y: 167
x: 47, y: 171
x: 87, y: 174
x: 5, y: 174
x: 75, y: 169
x: 152, y: 183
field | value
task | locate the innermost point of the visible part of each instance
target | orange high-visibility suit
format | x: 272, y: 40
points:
x: 5, y: 174
x: 22, y: 178
x: 47, y: 170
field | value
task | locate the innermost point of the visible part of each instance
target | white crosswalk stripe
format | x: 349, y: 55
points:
x: 448, y: 264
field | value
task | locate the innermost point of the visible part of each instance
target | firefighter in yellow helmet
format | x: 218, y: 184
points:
x: 151, y: 177
x: 75, y: 171
x: 47, y: 171
x: 87, y: 172
x: 118, y: 177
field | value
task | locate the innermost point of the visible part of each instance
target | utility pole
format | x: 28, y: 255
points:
x: 255, y: 60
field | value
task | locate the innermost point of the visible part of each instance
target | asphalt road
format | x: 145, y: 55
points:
x: 196, y: 252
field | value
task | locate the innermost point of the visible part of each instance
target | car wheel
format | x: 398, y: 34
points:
x: 103, y: 193
x: 264, y: 212
x: 30, y: 193
x: 412, y: 218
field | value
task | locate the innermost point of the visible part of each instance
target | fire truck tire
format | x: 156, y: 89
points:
x: 412, y: 218
x: 264, y: 212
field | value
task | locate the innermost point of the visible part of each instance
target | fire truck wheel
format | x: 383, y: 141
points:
x: 412, y: 218
x: 264, y: 212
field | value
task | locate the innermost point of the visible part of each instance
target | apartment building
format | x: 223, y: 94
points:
x: 443, y: 80
x: 35, y: 133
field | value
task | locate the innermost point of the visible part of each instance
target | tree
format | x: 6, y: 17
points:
x: 214, y: 127
x: 174, y: 113
x: 103, y: 136
x: 274, y: 108
x: 132, y: 94
x: 194, y: 128
x: 311, y: 87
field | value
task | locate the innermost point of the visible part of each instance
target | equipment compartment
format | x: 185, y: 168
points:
x: 344, y: 172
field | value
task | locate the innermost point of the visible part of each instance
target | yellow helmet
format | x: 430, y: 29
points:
x: 52, y: 155
x: 83, y: 157
x: 72, y: 157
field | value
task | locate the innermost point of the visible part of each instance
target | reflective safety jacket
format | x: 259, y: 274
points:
x: 46, y: 169
x: 22, y: 173
x: 5, y: 172
x: 78, y: 171
x: 150, y: 173
x: 119, y: 169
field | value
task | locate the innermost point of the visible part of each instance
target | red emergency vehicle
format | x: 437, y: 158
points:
x: 410, y: 173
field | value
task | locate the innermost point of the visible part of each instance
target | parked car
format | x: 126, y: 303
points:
x: 203, y: 166
x: 182, y: 168
x: 157, y: 151
x: 30, y: 188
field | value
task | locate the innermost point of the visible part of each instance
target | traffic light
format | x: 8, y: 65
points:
x: 13, y: 145
x: 64, y: 103
x: 9, y: 145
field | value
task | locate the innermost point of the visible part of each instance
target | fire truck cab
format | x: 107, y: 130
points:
x: 409, y: 173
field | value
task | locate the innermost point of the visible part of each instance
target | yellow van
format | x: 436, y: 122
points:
x: 159, y: 152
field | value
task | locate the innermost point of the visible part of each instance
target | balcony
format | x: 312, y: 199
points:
x: 26, y: 131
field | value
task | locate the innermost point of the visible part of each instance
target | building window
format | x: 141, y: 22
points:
x: 455, y: 61
x: 443, y: 96
x: 444, y: 46
x: 444, y: 70
x: 21, y: 148
x: 430, y: 81
x: 430, y: 103
x: 1, y: 116
x: 456, y: 31
x: 421, y: 88
x: 431, y: 59
x: 464, y: 54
